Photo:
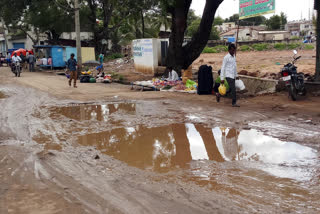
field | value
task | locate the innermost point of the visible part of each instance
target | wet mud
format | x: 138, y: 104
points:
x: 154, y: 156
x: 2, y: 95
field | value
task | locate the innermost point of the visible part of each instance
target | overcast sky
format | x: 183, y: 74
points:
x: 293, y: 8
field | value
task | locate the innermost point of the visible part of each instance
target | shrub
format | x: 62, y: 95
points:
x: 221, y: 48
x: 308, y: 47
x: 114, y: 56
x: 260, y: 47
x: 280, y: 46
x: 293, y: 46
x: 295, y: 38
x: 121, y: 78
x: 114, y: 75
x: 244, y: 48
x: 209, y: 50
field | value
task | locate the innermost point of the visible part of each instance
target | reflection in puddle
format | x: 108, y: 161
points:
x: 162, y: 149
x: 93, y: 112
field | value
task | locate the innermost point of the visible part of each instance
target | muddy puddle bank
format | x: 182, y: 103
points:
x: 2, y: 95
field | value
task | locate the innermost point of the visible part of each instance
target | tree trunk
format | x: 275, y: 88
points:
x: 179, y: 56
x: 317, y: 76
x: 142, y: 23
x: 93, y: 20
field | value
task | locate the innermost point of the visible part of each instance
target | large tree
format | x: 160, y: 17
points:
x: 253, y: 21
x: 274, y: 23
x: 181, y: 56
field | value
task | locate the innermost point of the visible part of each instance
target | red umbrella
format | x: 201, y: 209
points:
x: 19, y: 52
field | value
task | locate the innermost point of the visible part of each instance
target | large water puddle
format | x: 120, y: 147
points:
x: 92, y: 112
x: 166, y: 148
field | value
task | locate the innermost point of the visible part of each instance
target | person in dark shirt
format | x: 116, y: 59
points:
x: 72, y: 66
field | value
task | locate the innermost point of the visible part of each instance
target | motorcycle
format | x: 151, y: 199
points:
x: 294, y: 80
x: 17, y: 69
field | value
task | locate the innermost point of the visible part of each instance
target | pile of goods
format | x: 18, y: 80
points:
x: 176, y: 86
x: 86, y: 77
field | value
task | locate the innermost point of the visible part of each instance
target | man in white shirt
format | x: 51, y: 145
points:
x: 173, y: 75
x: 229, y: 72
x: 15, y: 59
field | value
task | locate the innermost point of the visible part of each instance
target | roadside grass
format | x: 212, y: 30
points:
x: 261, y: 47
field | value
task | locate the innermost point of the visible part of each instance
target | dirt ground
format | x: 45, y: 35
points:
x: 103, y: 148
x: 263, y: 63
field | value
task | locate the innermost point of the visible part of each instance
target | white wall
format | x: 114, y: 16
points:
x: 145, y: 54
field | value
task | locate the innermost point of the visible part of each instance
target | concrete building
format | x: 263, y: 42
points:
x: 246, y: 33
x: 300, y: 28
x: 273, y: 35
x: 226, y: 27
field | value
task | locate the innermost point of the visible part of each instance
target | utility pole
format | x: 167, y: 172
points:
x: 317, y: 7
x: 78, y: 39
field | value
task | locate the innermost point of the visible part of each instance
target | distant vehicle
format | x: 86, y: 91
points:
x: 17, y: 69
x: 294, y: 81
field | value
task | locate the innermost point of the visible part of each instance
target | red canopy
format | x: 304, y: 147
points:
x: 19, y: 52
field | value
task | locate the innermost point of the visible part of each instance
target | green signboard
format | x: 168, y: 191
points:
x: 252, y: 8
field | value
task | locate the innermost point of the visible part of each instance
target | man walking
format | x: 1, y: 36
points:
x: 31, y: 61
x: 72, y: 66
x: 229, y: 72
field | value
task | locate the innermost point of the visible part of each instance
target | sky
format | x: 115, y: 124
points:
x: 292, y: 8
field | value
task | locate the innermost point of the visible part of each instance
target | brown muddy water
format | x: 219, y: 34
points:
x: 93, y: 112
x: 238, y: 163
x: 2, y: 95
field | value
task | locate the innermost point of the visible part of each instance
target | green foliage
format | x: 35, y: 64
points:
x: 114, y: 56
x: 221, y: 48
x: 308, y: 47
x: 192, y: 17
x: 295, y: 38
x: 209, y: 50
x: 280, y: 46
x: 233, y: 18
x: 293, y: 46
x: 260, y: 47
x: 218, y: 21
x: 193, y: 28
x: 274, y: 23
x: 118, y: 77
x: 216, y: 49
x: 245, y: 48
x: 256, y: 21
x: 283, y: 19
x: 121, y: 78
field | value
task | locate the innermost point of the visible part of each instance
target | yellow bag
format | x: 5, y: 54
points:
x: 222, y: 90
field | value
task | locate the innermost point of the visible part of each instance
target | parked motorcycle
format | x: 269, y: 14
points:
x: 294, y: 80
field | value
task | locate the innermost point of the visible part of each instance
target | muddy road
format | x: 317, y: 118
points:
x: 107, y: 149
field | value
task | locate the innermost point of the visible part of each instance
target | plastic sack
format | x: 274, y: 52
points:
x: 190, y: 84
x: 222, y: 90
x: 240, y: 85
